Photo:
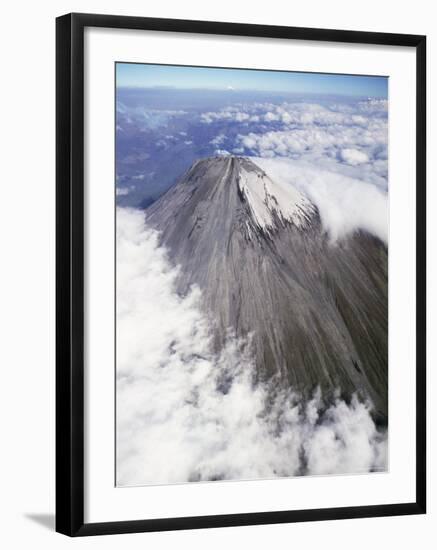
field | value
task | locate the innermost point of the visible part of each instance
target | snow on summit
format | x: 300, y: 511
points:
x: 269, y: 200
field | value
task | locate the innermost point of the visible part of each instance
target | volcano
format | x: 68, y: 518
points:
x: 314, y: 312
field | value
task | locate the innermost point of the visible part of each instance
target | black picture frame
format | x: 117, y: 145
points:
x: 70, y: 273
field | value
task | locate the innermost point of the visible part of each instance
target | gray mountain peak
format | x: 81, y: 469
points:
x: 316, y: 311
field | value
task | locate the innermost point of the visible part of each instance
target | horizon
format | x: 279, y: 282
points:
x: 139, y: 76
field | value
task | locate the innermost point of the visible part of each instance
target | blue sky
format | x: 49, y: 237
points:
x: 148, y: 76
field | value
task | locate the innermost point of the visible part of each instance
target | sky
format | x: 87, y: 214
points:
x: 137, y: 75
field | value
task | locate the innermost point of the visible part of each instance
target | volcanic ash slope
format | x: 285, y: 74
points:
x: 316, y: 310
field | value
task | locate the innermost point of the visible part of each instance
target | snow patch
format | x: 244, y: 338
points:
x: 269, y: 201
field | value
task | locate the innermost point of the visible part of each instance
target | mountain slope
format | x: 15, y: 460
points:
x: 317, y: 311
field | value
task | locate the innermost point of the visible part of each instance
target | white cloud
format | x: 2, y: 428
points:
x: 301, y: 113
x: 218, y: 140
x: 345, y: 203
x: 145, y: 118
x: 185, y: 413
x: 349, y: 138
x: 235, y: 113
x: 373, y: 105
x: 120, y: 191
x: 354, y: 157
x: 314, y: 139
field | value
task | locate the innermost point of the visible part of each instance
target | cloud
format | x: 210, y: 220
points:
x: 185, y: 413
x: 121, y: 191
x: 218, y: 140
x: 318, y: 141
x: 221, y: 153
x: 233, y: 113
x: 145, y: 118
x: 347, y: 137
x: 345, y: 204
x: 302, y: 113
x: 354, y: 157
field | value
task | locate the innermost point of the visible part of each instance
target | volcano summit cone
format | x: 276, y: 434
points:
x: 316, y: 311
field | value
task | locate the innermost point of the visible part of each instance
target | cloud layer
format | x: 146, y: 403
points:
x: 344, y: 137
x: 144, y: 117
x: 334, y: 152
x: 185, y: 413
x: 345, y: 204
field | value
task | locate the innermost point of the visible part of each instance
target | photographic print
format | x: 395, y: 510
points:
x: 251, y: 274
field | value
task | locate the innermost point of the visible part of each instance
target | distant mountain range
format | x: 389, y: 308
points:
x: 317, y: 311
